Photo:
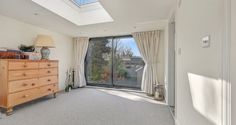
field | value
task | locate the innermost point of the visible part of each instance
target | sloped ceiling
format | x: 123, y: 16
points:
x: 84, y: 15
x: 128, y: 15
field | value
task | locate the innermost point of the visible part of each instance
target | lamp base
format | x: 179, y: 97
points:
x: 45, y: 53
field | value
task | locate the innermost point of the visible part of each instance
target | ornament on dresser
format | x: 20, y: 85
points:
x: 26, y: 48
x: 44, y: 42
x: 30, y: 51
x: 9, y: 53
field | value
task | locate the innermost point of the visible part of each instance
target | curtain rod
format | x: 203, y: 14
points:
x: 107, y: 37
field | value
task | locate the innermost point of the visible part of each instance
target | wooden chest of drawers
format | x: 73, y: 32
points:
x: 24, y: 80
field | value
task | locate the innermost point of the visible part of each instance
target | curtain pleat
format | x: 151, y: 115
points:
x: 80, y: 50
x: 148, y: 44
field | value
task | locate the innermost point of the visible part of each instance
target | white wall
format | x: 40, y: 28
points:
x: 199, y: 91
x: 233, y: 60
x: 13, y: 33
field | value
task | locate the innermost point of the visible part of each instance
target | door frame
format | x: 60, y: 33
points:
x: 226, y: 55
x: 171, y: 55
x: 226, y: 58
x: 112, y: 84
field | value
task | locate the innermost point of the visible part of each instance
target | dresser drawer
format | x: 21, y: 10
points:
x: 24, y: 96
x: 28, y: 95
x: 23, y: 74
x: 48, y: 80
x: 49, y: 89
x: 16, y: 86
x: 48, y: 64
x: 47, y: 72
x: 56, y: 87
x: 22, y: 65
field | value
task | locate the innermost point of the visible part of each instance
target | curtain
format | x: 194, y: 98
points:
x: 80, y: 50
x: 148, y: 44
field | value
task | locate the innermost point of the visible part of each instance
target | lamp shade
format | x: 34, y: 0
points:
x: 44, y: 41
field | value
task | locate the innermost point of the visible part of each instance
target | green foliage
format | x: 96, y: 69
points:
x: 119, y: 67
x: 25, y: 48
x: 99, y: 67
x: 97, y: 60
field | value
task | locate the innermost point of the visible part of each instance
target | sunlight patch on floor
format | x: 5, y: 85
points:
x: 131, y: 95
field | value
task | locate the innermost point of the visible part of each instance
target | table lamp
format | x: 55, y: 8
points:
x: 45, y: 42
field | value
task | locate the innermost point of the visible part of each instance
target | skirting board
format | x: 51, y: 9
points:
x: 177, y: 121
x: 174, y: 117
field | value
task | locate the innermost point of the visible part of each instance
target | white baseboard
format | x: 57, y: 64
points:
x: 174, y: 117
x: 177, y: 122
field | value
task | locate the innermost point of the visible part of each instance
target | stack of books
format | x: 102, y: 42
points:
x: 6, y: 53
x: 3, y: 49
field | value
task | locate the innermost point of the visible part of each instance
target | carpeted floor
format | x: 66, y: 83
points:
x: 92, y: 106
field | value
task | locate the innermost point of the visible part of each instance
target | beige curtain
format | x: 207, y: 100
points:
x: 80, y: 50
x: 148, y: 44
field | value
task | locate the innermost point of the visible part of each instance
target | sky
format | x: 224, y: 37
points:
x: 83, y: 2
x: 130, y: 42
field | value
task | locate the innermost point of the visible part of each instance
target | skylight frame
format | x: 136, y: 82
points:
x: 83, y: 4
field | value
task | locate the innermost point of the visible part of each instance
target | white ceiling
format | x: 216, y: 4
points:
x: 84, y: 15
x: 128, y: 15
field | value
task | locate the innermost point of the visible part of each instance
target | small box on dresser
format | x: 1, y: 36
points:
x: 26, y: 80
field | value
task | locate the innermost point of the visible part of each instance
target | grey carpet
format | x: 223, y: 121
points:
x: 92, y: 106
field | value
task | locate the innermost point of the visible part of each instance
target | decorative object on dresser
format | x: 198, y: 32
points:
x: 25, y: 80
x: 25, y: 48
x: 29, y: 51
x: 6, y: 53
x: 33, y: 55
x: 45, y: 42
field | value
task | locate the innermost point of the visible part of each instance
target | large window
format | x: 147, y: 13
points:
x: 99, y: 61
x: 114, y: 61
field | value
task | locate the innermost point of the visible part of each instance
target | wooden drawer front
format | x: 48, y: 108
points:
x: 48, y: 64
x: 56, y: 87
x: 48, y: 80
x: 48, y: 90
x: 47, y: 72
x: 24, y: 96
x: 16, y: 86
x: 22, y: 65
x: 23, y: 74
x: 28, y: 95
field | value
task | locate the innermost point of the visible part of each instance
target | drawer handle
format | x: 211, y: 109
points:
x: 33, y: 84
x: 24, y: 74
x: 25, y: 96
x: 49, y: 80
x: 24, y: 84
x: 25, y: 66
x: 49, y: 64
x: 49, y: 89
x: 49, y: 71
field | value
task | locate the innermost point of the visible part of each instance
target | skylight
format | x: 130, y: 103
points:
x: 84, y: 2
x: 86, y: 15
